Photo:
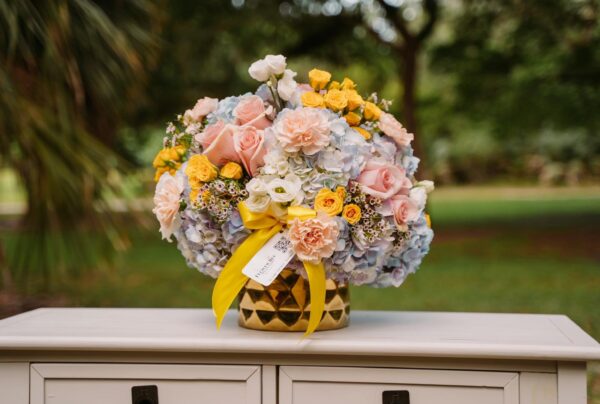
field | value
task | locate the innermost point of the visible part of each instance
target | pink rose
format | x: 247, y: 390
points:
x: 305, y: 129
x: 251, y: 111
x: 383, y: 180
x: 394, y: 129
x: 203, y: 107
x: 210, y: 133
x: 166, y: 203
x: 249, y: 145
x: 222, y: 149
x: 404, y: 209
x: 313, y: 239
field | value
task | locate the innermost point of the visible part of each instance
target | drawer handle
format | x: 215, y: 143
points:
x: 144, y: 395
x: 396, y: 397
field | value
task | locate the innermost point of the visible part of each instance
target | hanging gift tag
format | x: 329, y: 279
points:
x: 270, y: 260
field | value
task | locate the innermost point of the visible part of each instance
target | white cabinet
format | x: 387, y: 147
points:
x: 118, y: 356
x: 68, y: 383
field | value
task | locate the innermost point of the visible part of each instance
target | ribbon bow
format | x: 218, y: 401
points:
x: 232, y: 280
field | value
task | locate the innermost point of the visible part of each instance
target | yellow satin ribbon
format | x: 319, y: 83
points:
x: 232, y: 280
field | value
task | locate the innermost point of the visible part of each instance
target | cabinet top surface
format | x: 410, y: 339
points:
x: 377, y: 333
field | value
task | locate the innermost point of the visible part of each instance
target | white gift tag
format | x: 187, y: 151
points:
x: 270, y: 260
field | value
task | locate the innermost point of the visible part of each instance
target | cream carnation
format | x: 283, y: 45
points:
x: 315, y: 238
x: 394, y: 129
x: 303, y: 129
x: 166, y: 203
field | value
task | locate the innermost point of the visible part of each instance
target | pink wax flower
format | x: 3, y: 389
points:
x: 383, y: 180
x: 249, y: 145
x: 303, y: 129
x: 251, y: 111
x: 394, y: 129
x: 314, y: 239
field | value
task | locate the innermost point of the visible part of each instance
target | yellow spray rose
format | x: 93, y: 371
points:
x: 329, y: 202
x: 347, y: 84
x: 336, y: 100
x: 354, y: 99
x: 168, y: 160
x: 363, y: 132
x: 351, y: 213
x: 352, y: 118
x: 312, y: 99
x: 428, y: 220
x: 318, y: 78
x: 232, y: 170
x: 371, y: 112
x: 200, y: 169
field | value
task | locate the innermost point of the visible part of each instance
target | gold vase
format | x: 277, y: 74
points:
x: 284, y: 305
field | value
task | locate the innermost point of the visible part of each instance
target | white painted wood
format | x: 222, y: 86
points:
x: 177, y: 384
x: 269, y: 384
x: 403, y: 334
x: 332, y: 385
x: 572, y: 383
x: 538, y: 388
x: 14, y: 383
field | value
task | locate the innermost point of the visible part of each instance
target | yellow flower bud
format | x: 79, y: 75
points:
x: 347, y: 84
x: 318, y: 78
x: 363, y: 132
x: 334, y: 85
x: 428, y: 220
x: 351, y: 213
x: 341, y: 191
x: 329, y: 202
x: 335, y: 100
x: 352, y: 118
x: 200, y: 169
x: 312, y: 99
x: 232, y: 170
x: 354, y: 99
x: 371, y: 112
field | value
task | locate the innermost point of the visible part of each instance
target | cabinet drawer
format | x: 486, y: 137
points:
x: 344, y: 385
x: 112, y: 383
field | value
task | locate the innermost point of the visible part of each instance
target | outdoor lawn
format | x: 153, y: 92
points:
x: 496, y: 250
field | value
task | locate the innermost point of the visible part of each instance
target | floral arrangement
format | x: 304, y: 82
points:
x: 333, y: 169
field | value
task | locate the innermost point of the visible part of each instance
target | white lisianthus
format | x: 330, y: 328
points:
x: 287, y: 85
x: 256, y: 187
x: 276, y: 64
x: 260, y: 70
x: 419, y: 196
x: 276, y: 163
x: 258, y: 203
x: 428, y: 185
x: 285, y: 190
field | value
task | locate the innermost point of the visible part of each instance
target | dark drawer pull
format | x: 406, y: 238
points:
x: 144, y: 395
x: 396, y: 397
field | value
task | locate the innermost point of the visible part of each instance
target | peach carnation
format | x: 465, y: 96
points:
x: 166, y: 203
x: 305, y: 129
x: 315, y: 238
x: 394, y: 129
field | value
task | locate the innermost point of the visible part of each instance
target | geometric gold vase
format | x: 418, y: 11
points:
x: 284, y: 305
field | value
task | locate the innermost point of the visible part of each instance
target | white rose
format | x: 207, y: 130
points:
x: 276, y: 63
x: 286, y: 189
x: 260, y: 70
x: 428, y: 185
x: 287, y: 85
x: 256, y: 187
x: 419, y: 196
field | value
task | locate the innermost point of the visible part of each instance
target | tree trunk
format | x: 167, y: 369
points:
x: 408, y: 76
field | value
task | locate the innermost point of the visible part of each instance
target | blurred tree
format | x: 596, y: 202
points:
x: 526, y: 69
x: 69, y: 72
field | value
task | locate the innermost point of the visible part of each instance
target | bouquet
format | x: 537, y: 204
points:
x: 327, y: 170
